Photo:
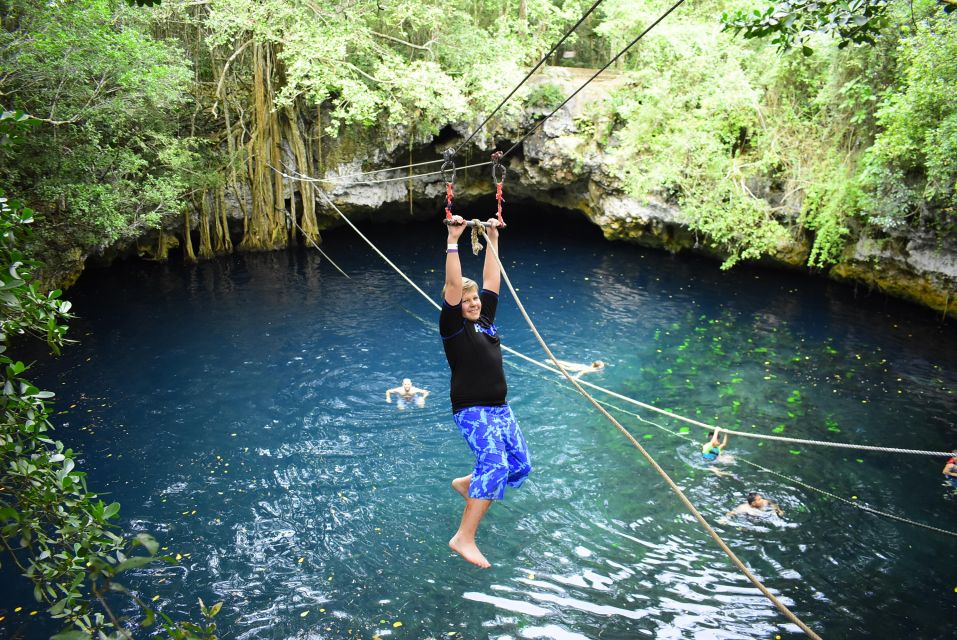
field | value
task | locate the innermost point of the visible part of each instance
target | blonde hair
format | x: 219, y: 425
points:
x: 467, y: 285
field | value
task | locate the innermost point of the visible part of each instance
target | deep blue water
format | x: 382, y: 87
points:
x: 236, y: 410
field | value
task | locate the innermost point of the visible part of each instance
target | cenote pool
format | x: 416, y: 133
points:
x: 236, y: 410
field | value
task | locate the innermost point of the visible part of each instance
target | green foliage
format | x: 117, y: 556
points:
x: 60, y: 535
x: 831, y: 199
x: 545, y: 97
x: 393, y: 62
x: 689, y: 131
x: 107, y: 157
x: 912, y: 166
x: 792, y: 23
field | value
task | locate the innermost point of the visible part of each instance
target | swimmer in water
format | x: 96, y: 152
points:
x: 712, y: 450
x: 950, y: 469
x: 756, y: 505
x: 407, y: 393
x: 578, y: 370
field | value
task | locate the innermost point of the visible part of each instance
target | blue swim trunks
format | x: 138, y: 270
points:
x: 501, y: 454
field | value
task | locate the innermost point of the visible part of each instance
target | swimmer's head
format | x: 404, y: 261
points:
x: 406, y: 384
x: 755, y: 500
x: 597, y: 364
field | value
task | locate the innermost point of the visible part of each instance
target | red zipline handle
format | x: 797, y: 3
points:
x: 498, y: 197
x: 448, y: 173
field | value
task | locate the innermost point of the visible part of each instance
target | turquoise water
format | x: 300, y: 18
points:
x: 236, y: 410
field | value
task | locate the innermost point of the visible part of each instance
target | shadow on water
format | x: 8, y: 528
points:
x: 236, y: 409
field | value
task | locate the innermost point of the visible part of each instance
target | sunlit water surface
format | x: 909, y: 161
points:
x: 236, y: 410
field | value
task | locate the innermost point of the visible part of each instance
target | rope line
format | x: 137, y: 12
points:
x: 597, y: 73
x: 296, y: 175
x: 639, y: 403
x: 664, y: 475
x: 323, y: 253
x: 743, y: 434
x: 528, y: 75
x: 856, y: 505
x: 790, y: 479
x: 372, y: 171
x: 614, y: 394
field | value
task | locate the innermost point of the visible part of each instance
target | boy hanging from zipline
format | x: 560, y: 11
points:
x: 478, y: 389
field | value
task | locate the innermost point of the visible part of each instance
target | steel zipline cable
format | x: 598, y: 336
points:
x: 527, y: 76
x: 475, y: 132
x: 596, y: 74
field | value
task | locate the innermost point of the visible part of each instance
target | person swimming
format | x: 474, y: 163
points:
x: 407, y: 393
x: 950, y: 469
x: 578, y: 370
x: 714, y: 446
x: 756, y: 505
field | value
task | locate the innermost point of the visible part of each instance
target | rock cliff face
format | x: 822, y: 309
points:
x: 558, y: 167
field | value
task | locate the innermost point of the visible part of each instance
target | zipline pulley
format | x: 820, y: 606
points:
x: 448, y: 174
x: 498, y: 177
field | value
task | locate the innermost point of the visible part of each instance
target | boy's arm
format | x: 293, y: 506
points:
x: 491, y: 274
x: 453, y: 266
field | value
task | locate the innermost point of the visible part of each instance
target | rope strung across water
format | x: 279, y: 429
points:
x: 638, y: 403
x: 304, y: 178
x: 784, y: 477
x: 664, y: 475
x: 323, y: 253
x: 743, y: 434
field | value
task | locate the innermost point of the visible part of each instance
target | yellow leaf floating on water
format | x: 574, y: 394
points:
x: 531, y: 576
x: 304, y: 614
x: 301, y: 560
x: 178, y: 557
x: 322, y: 610
x: 19, y: 609
x: 396, y: 624
x: 155, y: 598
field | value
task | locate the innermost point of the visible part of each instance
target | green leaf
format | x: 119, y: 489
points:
x: 111, y: 510
x: 134, y: 563
x: 72, y: 634
x: 149, y: 542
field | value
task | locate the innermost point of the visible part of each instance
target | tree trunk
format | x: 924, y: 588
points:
x: 188, y: 254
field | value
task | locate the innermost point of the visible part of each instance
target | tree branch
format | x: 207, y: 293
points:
x: 421, y: 47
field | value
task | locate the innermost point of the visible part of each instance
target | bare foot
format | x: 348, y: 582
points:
x: 461, y: 485
x: 469, y: 551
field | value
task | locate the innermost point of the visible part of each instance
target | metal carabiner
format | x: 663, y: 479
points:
x: 448, y: 167
x: 498, y: 178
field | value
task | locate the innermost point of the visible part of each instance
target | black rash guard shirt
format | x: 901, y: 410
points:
x: 474, y: 355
